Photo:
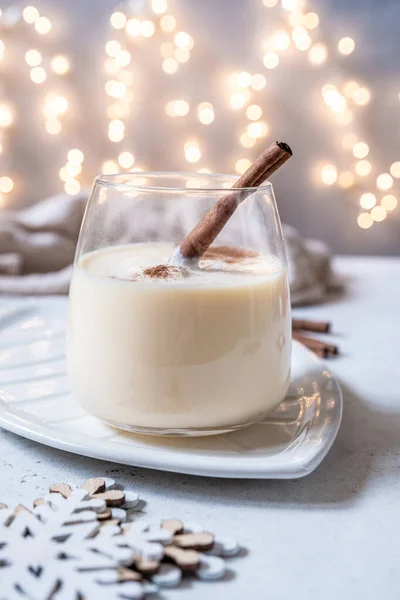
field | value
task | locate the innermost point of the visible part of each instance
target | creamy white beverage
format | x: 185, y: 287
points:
x: 201, y: 349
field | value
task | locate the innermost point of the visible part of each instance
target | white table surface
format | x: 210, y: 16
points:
x: 332, y: 535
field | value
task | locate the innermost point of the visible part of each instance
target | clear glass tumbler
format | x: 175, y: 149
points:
x: 204, y: 352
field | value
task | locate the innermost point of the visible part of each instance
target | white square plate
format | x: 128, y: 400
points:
x: 35, y: 402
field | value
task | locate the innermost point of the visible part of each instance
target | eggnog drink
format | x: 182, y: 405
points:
x: 168, y: 349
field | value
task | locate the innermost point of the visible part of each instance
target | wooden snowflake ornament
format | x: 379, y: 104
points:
x: 80, y: 543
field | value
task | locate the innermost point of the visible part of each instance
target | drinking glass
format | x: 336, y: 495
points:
x: 203, y: 355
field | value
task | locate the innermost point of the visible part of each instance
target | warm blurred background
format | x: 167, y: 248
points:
x: 92, y: 85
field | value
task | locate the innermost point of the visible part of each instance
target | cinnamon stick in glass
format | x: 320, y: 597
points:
x: 205, y: 232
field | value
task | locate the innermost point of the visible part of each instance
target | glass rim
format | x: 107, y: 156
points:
x: 111, y: 180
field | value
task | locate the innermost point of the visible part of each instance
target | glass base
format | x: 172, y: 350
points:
x: 186, y: 432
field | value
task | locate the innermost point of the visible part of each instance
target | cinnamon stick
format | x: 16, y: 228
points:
x: 322, y: 353
x: 306, y: 325
x: 205, y: 232
x: 317, y: 345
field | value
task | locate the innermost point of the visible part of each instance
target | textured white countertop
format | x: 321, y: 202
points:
x: 331, y: 535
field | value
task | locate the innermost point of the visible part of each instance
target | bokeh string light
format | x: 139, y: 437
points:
x: 150, y: 24
x: 342, y: 102
x: 132, y: 26
x: 43, y: 69
x: 70, y: 172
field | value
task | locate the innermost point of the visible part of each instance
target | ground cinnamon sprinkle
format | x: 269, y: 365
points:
x: 229, y: 254
x: 165, y: 272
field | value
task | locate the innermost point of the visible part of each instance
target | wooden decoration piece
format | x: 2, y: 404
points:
x: 167, y: 576
x: 95, y: 485
x: 187, y: 560
x: 61, y: 488
x: 38, y: 502
x: 173, y: 525
x: 75, y: 543
x: 112, y: 497
x: 211, y: 568
x: 128, y: 575
x: 225, y: 547
x: 196, y: 541
x: 147, y: 566
x: 106, y: 514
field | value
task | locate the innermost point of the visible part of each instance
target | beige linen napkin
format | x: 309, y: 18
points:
x: 37, y: 247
